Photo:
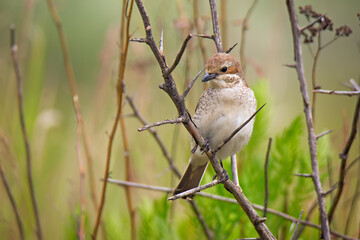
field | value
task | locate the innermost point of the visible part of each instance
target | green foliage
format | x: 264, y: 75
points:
x: 155, y: 222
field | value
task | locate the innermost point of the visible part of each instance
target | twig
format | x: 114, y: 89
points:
x: 309, y: 25
x: 81, y: 232
x: 218, y: 147
x: 352, y: 210
x: 124, y: 47
x: 348, y: 93
x: 224, y: 23
x: 197, y: 27
x: 179, y: 55
x: 169, y: 87
x: 231, y: 48
x: 244, y: 28
x: 168, y: 121
x: 305, y: 175
x: 191, y: 84
x: 216, y: 29
x: 309, y: 120
x: 323, y: 134
x: 14, y: 49
x: 113, y: 131
x: 73, y: 91
x: 267, y: 177
x: 13, y: 203
x: 194, y: 190
x: 294, y: 236
x: 354, y: 85
x: 234, y: 170
x: 228, y: 200
x: 344, y: 156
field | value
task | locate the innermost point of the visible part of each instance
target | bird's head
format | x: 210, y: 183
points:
x: 222, y: 71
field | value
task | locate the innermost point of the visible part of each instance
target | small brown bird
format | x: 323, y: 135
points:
x: 222, y: 108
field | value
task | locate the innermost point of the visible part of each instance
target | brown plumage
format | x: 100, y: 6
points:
x: 223, y: 107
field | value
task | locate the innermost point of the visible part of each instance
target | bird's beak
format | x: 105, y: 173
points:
x: 208, y: 76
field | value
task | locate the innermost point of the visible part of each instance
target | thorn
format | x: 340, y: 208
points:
x: 161, y: 45
x: 290, y: 65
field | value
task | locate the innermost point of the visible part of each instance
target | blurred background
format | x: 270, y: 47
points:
x: 92, y: 31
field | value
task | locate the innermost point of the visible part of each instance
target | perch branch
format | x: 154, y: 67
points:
x: 169, y: 87
x: 168, y: 121
x: 228, y: 200
x: 344, y: 156
x: 309, y: 121
x: 14, y: 49
x: 194, y: 190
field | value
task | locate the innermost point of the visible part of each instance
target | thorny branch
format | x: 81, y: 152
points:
x: 168, y: 121
x: 14, y: 49
x: 170, y: 88
x: 216, y: 28
x: 309, y: 121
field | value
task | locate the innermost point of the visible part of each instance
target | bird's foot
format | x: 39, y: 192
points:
x: 206, y: 147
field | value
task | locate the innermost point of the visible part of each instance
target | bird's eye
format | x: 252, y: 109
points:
x: 224, y: 69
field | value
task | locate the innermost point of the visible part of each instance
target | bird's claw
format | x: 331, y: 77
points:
x: 205, y: 147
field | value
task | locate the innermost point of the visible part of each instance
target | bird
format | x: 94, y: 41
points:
x: 223, y: 106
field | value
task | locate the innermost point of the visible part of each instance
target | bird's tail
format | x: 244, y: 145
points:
x: 193, y: 175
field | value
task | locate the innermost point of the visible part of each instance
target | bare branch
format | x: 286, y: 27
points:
x: 294, y: 236
x: 267, y: 177
x: 354, y: 84
x: 228, y: 200
x: 290, y: 65
x: 344, y: 156
x: 161, y: 43
x: 194, y: 190
x: 244, y: 28
x: 216, y: 28
x: 323, y: 134
x: 13, y: 203
x: 179, y: 55
x: 191, y: 84
x: 14, y: 49
x: 169, y: 87
x: 308, y: 115
x: 309, y: 25
x: 218, y: 147
x: 231, y: 48
x: 81, y: 231
x: 305, y: 175
x: 139, y: 40
x: 348, y: 93
x: 168, y: 121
